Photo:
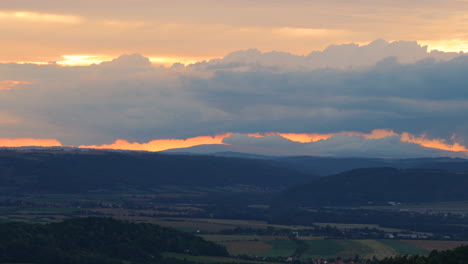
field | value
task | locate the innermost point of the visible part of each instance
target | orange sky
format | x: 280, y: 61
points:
x: 161, y: 144
x: 28, y: 142
x: 71, y: 33
x: 188, y: 31
x: 166, y: 144
x: 8, y: 84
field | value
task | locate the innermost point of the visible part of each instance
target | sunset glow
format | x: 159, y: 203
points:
x: 29, y: 142
x: 85, y: 60
x: 167, y: 144
x: 454, y: 45
x: 168, y: 61
x: 161, y: 144
x: 304, y: 77
x: 436, y: 143
x: 39, y: 17
x: 8, y: 84
x: 314, y: 137
x: 422, y: 140
x: 82, y: 60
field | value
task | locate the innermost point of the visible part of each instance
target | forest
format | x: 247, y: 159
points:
x: 97, y: 240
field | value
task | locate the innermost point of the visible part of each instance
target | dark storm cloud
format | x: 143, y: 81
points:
x: 129, y: 99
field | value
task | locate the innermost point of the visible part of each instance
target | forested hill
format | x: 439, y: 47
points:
x: 455, y: 256
x: 379, y: 185
x: 324, y: 166
x: 97, y: 240
x: 76, y: 171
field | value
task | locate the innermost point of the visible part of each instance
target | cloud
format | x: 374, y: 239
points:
x: 314, y: 137
x: 433, y: 143
x: 161, y: 144
x: 40, y: 17
x: 9, y: 84
x: 347, y: 144
x: 122, y: 24
x: 130, y: 99
x: 347, y: 56
x: 29, y: 142
x: 391, y: 147
x: 309, y: 32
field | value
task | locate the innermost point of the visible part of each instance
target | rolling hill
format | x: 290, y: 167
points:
x: 97, y: 240
x: 87, y: 170
x: 378, y: 186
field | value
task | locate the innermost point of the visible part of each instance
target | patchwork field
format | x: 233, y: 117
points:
x: 252, y: 245
x: 430, y: 245
x: 207, y: 259
x: 352, y: 226
x: 350, y: 248
x: 460, y: 207
x: 316, y: 248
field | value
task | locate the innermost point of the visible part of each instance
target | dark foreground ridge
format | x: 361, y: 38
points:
x: 380, y: 186
x: 97, y: 240
x: 456, y: 256
x: 81, y: 171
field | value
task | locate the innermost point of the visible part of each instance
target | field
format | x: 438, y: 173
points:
x: 316, y: 248
x: 352, y: 226
x: 207, y: 259
x: 350, y: 248
x: 435, y: 245
x: 279, y: 242
x: 206, y: 225
x: 460, y: 207
x: 254, y: 245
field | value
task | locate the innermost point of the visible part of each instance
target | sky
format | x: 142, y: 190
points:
x: 335, y: 78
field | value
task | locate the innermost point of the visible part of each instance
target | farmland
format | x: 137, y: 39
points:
x: 459, y: 207
x: 430, y: 245
x: 316, y: 248
x: 260, y: 238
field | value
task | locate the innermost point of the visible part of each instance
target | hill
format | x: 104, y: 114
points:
x: 378, y: 186
x: 77, y: 171
x: 97, y: 240
x: 455, y: 256
x: 324, y: 166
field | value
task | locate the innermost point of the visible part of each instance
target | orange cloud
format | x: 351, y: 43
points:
x: 309, y: 32
x: 436, y: 143
x: 39, y: 17
x: 8, y: 84
x: 314, y: 137
x: 82, y: 59
x: 296, y: 137
x: 162, y: 144
x: 257, y: 135
x: 165, y: 144
x: 29, y: 142
x: 305, y: 138
x: 374, y: 134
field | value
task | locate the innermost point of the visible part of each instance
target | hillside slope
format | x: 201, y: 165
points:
x: 380, y: 185
x: 97, y: 240
x: 78, y: 171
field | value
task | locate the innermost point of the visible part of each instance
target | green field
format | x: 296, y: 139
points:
x: 354, y: 226
x: 280, y: 246
x: 403, y: 248
x: 322, y: 249
x: 208, y: 260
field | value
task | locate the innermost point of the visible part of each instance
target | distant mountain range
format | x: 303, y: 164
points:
x: 323, y: 166
x: 335, y: 146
